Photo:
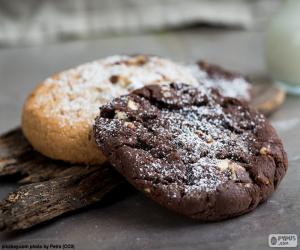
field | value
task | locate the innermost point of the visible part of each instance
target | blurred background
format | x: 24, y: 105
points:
x: 36, y: 22
x: 41, y: 37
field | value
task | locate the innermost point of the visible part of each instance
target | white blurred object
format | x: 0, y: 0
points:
x: 283, y: 47
x: 38, y: 21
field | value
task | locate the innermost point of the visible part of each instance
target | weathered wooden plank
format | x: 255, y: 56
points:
x: 52, y: 187
x: 34, y: 203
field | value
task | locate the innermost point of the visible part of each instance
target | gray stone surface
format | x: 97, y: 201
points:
x: 137, y: 223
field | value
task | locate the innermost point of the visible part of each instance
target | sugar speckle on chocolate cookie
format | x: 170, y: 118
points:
x: 192, y: 150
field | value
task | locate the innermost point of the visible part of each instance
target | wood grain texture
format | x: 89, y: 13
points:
x: 51, y: 187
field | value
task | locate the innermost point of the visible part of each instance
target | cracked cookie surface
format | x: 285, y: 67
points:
x: 192, y: 150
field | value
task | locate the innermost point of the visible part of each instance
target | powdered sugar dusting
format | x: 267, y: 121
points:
x: 237, y: 87
x: 76, y: 95
x: 202, y: 136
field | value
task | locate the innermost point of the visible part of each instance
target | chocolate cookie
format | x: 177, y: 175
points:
x: 192, y: 150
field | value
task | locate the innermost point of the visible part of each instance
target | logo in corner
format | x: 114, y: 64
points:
x: 283, y: 240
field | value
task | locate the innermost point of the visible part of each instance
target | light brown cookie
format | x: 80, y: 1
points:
x: 58, y: 115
